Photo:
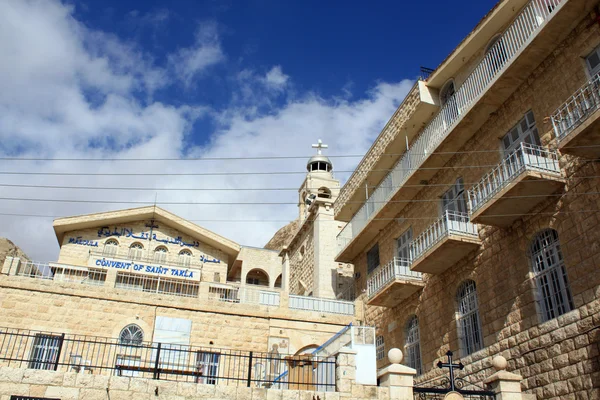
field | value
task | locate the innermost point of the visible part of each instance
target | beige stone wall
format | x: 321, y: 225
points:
x: 103, y: 311
x: 80, y: 254
x: 558, y: 358
x: 302, y: 259
x: 265, y: 260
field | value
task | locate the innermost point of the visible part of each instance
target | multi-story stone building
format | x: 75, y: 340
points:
x: 473, y: 219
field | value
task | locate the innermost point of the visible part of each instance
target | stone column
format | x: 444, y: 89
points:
x: 345, y: 372
x: 10, y: 265
x: 506, y: 385
x: 397, y: 377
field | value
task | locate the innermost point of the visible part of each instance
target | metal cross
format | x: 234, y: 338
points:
x: 451, y: 367
x: 319, y: 146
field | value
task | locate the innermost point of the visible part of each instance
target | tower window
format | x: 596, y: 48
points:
x: 324, y: 193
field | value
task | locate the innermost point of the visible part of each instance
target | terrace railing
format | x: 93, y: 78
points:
x: 451, y: 223
x: 397, y: 268
x: 321, y: 305
x: 243, y: 294
x: 59, y: 273
x: 506, y: 48
x: 525, y: 157
x: 584, y: 102
x: 103, y: 356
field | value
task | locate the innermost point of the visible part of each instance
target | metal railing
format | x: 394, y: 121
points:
x: 59, y: 273
x: 243, y: 294
x: 202, y: 365
x: 168, y: 259
x: 397, y: 268
x: 157, y: 284
x: 514, y: 39
x: 525, y: 157
x: 577, y: 108
x: 451, y: 223
x: 321, y: 305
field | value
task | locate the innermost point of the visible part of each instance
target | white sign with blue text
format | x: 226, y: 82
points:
x: 155, y: 270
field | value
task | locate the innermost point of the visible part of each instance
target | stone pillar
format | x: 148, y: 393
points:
x: 345, y: 372
x: 285, y: 269
x: 397, y: 377
x: 10, y: 265
x: 506, y: 385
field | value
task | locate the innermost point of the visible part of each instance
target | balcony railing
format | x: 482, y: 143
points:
x: 516, y: 37
x: 321, y: 305
x: 577, y: 108
x: 451, y: 223
x: 243, y: 294
x: 58, y: 273
x: 397, y: 268
x: 525, y: 157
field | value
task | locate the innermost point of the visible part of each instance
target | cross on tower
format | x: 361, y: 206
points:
x: 451, y: 366
x: 319, y: 146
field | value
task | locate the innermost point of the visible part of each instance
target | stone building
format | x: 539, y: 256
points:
x: 479, y: 233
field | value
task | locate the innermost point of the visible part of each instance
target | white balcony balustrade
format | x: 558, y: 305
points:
x: 321, y: 305
x: 243, y: 294
x: 523, y: 179
x: 443, y: 243
x: 509, y: 45
x: 576, y: 122
x: 393, y: 282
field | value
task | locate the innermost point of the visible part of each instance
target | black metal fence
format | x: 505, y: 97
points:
x: 205, y: 365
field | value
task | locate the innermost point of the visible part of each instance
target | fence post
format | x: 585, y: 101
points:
x: 345, y: 371
x: 249, y: 370
x: 397, y: 377
x: 506, y: 385
x: 157, y: 362
x: 60, y: 345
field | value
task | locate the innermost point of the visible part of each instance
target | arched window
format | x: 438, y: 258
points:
x: 257, y: 277
x: 160, y: 254
x: 131, y: 335
x: 495, y: 54
x: 412, y: 347
x: 324, y: 193
x: 185, y: 258
x: 448, y: 103
x: 550, y: 275
x: 110, y: 248
x: 469, y: 326
x: 278, y: 282
x: 135, y: 251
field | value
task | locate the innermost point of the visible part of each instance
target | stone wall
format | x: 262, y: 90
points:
x: 557, y: 358
x: 302, y: 259
x: 102, y: 311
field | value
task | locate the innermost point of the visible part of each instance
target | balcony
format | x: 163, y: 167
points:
x: 531, y: 36
x: 577, y: 122
x: 389, y: 284
x: 525, y: 178
x: 443, y: 243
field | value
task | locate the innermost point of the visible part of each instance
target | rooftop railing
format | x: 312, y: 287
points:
x: 321, y: 305
x: 59, y: 273
x: 525, y: 157
x: 451, y: 223
x: 397, y: 268
x: 573, y: 112
x: 243, y: 294
x: 508, y: 45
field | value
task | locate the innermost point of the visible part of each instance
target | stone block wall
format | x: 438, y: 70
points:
x: 558, y: 358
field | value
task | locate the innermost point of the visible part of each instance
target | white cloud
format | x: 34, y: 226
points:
x: 188, y: 63
x: 69, y: 92
x: 275, y: 78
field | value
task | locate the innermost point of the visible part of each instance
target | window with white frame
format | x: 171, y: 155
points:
x: 468, y: 323
x: 373, y: 258
x: 131, y: 335
x: 524, y: 132
x: 454, y: 200
x: 592, y: 61
x: 412, y: 347
x: 44, y: 352
x: 380, y: 347
x: 553, y: 295
x: 160, y: 254
x: 403, y: 245
x: 110, y: 248
x: 135, y: 251
x: 185, y: 258
x: 207, y: 364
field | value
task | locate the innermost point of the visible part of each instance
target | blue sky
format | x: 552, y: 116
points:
x: 185, y: 79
